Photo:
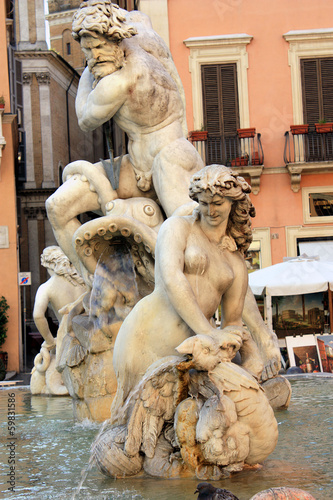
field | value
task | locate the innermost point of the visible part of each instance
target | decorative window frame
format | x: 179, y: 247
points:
x: 263, y: 236
x: 295, y: 232
x: 306, y: 209
x: 305, y: 44
x: 220, y: 49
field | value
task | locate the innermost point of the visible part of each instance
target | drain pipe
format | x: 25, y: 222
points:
x: 67, y: 113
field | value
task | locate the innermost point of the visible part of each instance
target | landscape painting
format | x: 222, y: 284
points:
x: 298, y: 314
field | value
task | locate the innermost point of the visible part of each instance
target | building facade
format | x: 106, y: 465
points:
x: 240, y: 71
x: 8, y: 218
x: 252, y: 72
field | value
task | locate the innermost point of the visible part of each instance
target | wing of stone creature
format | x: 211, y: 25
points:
x: 156, y: 403
x: 150, y: 406
x: 253, y: 409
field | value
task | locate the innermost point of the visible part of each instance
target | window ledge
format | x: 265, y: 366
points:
x: 254, y: 172
x: 296, y: 170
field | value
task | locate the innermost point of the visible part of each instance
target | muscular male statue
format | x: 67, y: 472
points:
x: 131, y: 77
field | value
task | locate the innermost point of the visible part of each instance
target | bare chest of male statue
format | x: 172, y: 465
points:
x: 152, y: 100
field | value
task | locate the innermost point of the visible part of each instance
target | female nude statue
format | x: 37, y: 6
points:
x: 198, y: 261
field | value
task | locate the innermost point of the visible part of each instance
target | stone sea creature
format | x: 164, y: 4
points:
x: 224, y: 426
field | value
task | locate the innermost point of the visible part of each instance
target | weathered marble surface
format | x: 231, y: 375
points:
x: 63, y: 287
x: 131, y: 78
x: 143, y: 336
x: 206, y: 416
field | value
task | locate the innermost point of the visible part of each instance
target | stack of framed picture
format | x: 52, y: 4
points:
x: 311, y: 353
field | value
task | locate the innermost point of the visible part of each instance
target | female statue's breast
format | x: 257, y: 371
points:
x: 196, y: 260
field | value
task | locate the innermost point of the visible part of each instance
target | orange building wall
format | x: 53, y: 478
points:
x: 8, y: 256
x: 269, y: 86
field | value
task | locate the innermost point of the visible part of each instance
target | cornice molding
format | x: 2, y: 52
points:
x: 303, y: 35
x: 211, y: 41
x: 60, y: 17
x: 49, y: 62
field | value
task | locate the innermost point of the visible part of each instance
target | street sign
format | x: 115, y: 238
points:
x: 24, y: 279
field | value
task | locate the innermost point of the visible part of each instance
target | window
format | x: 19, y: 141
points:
x: 317, y: 83
x: 317, y: 204
x: 220, y: 101
x: 218, y: 51
x: 312, y: 45
x: 298, y: 234
x: 316, y: 247
x: 259, y: 253
x: 68, y: 49
x: 220, y: 109
x: 253, y: 257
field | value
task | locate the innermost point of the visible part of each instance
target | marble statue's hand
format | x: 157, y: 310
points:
x: 271, y: 369
x: 229, y: 338
x: 49, y: 347
x: 270, y: 353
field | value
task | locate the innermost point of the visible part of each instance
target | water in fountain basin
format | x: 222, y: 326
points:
x: 51, y: 451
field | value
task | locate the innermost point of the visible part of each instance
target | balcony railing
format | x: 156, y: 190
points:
x: 308, y: 148
x: 232, y: 151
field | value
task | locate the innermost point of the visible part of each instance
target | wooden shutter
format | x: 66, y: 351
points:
x: 220, y: 99
x: 317, y: 89
x: 326, y: 71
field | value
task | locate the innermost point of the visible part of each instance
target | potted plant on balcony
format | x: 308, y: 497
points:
x: 244, y: 133
x: 299, y: 129
x: 198, y: 135
x: 2, y: 102
x: 3, y: 334
x: 240, y: 161
x: 322, y: 127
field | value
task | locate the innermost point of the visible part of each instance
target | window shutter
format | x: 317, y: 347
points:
x: 220, y: 99
x: 317, y: 85
x: 326, y: 67
x: 211, y: 101
x: 229, y: 99
x: 310, y: 91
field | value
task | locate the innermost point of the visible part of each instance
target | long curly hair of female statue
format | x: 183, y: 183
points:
x: 222, y: 180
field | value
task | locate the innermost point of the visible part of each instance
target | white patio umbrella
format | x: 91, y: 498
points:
x: 293, y: 277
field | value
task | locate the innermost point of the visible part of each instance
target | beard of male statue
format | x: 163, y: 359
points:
x: 103, y: 55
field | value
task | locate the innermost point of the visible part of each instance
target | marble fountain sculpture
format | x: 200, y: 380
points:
x: 140, y: 349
